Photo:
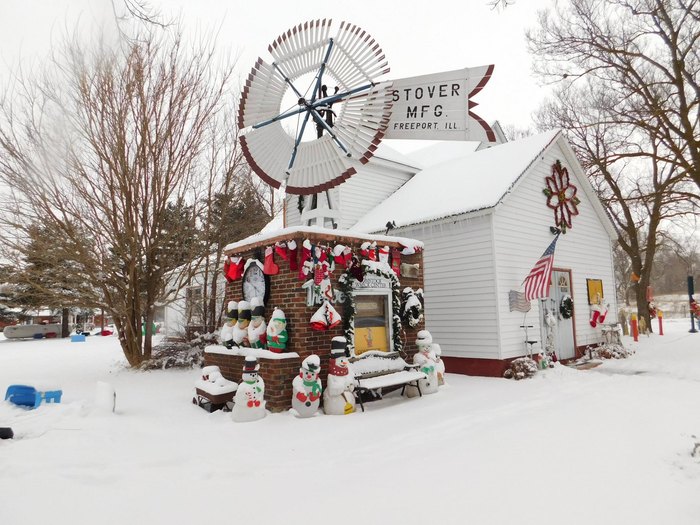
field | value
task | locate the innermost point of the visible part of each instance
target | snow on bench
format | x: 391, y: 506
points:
x: 376, y: 372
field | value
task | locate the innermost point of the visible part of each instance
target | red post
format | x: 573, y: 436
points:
x: 635, y: 328
x: 660, y: 316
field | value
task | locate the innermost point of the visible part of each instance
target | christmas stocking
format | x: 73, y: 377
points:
x: 339, y: 255
x: 384, y: 254
x: 396, y: 261
x: 270, y: 268
x: 281, y: 250
x: 234, y: 271
x: 305, y: 262
x: 369, y: 250
x: 292, y: 249
x: 601, y: 317
x: 319, y: 321
x: 332, y: 315
x: 595, y: 316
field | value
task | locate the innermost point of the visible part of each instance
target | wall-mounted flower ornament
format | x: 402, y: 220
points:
x: 561, y: 196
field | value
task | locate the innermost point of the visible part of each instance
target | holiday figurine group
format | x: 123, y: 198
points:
x: 307, y: 388
x: 249, y: 402
x: 338, y: 397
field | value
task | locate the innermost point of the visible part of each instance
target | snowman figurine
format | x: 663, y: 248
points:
x: 306, y: 387
x: 338, y: 398
x: 226, y: 334
x: 249, y: 403
x: 277, y: 332
x: 257, y: 329
x: 427, y: 363
x: 240, y: 330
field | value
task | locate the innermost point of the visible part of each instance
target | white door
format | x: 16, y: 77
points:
x: 561, y: 288
x: 551, y: 318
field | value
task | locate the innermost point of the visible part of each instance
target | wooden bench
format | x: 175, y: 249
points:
x: 391, y: 371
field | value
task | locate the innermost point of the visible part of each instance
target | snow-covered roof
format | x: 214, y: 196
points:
x: 294, y: 231
x: 442, y: 151
x: 472, y: 182
x: 386, y: 152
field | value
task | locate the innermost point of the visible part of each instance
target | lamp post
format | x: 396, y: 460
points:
x: 691, y: 292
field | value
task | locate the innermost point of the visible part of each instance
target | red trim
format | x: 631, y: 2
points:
x: 484, y: 80
x: 489, y: 132
x: 475, y: 367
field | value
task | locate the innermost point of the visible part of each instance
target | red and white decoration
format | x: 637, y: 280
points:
x: 233, y: 268
x: 561, y: 196
x: 325, y: 318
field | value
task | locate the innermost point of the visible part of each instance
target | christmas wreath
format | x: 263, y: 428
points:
x: 345, y: 283
x: 566, y: 307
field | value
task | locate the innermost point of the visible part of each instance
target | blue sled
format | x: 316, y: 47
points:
x: 29, y: 396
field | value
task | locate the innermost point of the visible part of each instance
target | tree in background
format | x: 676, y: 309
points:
x: 626, y: 72
x: 642, y: 60
x: 106, y: 150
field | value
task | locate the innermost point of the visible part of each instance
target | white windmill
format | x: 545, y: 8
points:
x: 351, y: 122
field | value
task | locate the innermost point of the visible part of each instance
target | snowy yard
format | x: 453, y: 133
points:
x: 609, y: 445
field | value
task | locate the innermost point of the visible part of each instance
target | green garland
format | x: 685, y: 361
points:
x: 345, y: 283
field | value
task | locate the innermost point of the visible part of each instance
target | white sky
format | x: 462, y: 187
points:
x: 418, y: 37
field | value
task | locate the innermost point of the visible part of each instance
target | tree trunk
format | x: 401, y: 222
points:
x: 65, y: 329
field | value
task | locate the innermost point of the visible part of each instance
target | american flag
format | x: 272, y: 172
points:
x: 537, y: 281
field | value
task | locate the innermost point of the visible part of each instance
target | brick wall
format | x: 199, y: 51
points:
x: 286, y: 293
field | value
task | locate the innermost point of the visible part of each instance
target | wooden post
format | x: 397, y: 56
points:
x: 635, y: 328
x: 660, y: 316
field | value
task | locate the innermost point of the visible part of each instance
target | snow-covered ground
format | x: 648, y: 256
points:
x: 611, y: 445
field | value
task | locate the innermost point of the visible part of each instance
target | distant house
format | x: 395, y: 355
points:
x: 484, y: 219
x: 182, y: 317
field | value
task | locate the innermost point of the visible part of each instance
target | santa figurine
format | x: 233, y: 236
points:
x: 427, y: 363
x: 249, y: 403
x: 338, y: 397
x: 240, y: 330
x: 226, y: 334
x: 257, y: 329
x: 306, y: 387
x: 277, y: 332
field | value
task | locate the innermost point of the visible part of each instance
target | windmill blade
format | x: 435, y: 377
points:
x: 353, y: 59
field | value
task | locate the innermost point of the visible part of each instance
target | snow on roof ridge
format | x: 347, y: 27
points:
x: 290, y: 232
x: 421, y: 200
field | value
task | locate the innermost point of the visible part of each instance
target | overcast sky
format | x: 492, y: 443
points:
x: 418, y: 37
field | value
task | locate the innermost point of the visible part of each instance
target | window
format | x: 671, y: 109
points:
x: 372, y: 320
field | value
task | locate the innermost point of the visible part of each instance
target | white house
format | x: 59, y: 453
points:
x: 484, y: 219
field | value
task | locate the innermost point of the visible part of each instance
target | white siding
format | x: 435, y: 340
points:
x: 361, y: 192
x: 460, y: 298
x: 521, y: 229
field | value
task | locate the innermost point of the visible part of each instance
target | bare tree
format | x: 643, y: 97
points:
x: 645, y: 55
x: 111, y: 142
x: 627, y: 96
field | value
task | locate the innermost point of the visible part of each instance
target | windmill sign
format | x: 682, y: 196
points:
x: 439, y: 106
x: 352, y: 121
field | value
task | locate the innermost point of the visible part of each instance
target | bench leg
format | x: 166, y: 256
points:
x: 358, y: 397
x: 420, y: 394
